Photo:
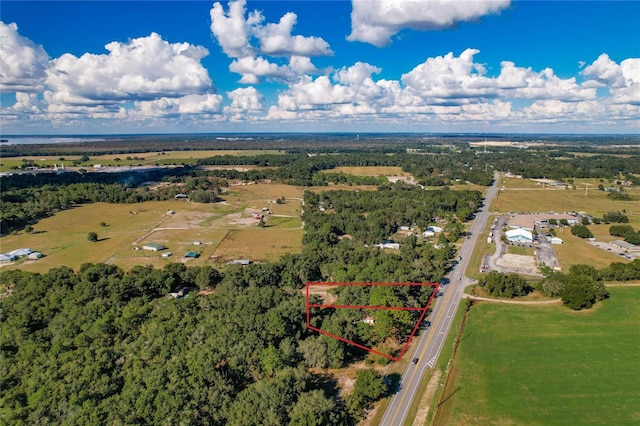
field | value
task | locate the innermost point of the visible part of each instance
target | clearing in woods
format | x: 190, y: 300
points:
x: 218, y: 232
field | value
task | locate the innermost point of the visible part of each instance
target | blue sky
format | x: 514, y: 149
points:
x: 84, y: 67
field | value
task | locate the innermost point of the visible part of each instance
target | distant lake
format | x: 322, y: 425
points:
x: 31, y: 140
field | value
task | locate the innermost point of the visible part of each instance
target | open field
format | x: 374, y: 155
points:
x: 540, y: 365
x: 226, y: 230
x: 596, y: 203
x: 128, y: 159
x: 370, y: 171
x: 575, y: 250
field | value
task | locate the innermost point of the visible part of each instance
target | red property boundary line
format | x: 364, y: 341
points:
x: 436, y: 286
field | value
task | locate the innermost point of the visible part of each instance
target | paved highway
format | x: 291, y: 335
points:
x: 431, y: 340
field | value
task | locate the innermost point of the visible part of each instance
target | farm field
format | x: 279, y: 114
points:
x: 370, y: 171
x: 218, y: 232
x: 541, y: 365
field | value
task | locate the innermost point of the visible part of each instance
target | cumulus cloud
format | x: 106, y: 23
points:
x: 248, y: 40
x: 605, y: 71
x: 145, y: 68
x: 232, y: 30
x: 449, y: 79
x: 276, y: 40
x: 447, y: 90
x: 622, y: 80
x: 246, y: 104
x: 23, y: 64
x: 376, y: 21
x: 190, y: 104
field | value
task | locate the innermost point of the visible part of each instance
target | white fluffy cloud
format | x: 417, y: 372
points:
x: 145, y: 68
x: 190, y: 104
x: 622, y: 80
x: 247, y: 39
x: 276, y: 40
x: 23, y: 64
x: 453, y: 90
x: 442, y: 81
x: 232, y: 30
x: 449, y: 79
x: 376, y: 21
x: 246, y: 102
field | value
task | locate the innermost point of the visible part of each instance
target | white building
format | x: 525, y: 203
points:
x: 519, y: 235
x: 435, y: 229
x: 394, y: 246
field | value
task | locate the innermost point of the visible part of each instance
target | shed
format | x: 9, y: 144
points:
x: 239, y: 262
x: 21, y: 252
x: 5, y: 257
x: 167, y: 254
x: 153, y: 247
x: 35, y: 255
x: 626, y: 246
x: 191, y: 254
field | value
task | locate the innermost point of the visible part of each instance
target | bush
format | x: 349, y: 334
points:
x: 501, y: 285
x: 615, y: 217
x: 633, y: 238
x: 620, y: 230
x: 581, y: 231
x: 92, y: 236
x: 582, y: 291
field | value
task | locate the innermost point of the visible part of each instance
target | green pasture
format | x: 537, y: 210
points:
x: 575, y: 250
x: 547, y: 365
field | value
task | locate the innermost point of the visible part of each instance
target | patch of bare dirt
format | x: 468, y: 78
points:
x: 427, y: 397
x: 518, y: 262
x: 323, y: 292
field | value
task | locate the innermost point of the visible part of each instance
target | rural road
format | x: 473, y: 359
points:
x: 432, y: 340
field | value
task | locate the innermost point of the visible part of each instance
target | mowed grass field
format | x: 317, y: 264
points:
x: 224, y: 231
x: 547, y: 365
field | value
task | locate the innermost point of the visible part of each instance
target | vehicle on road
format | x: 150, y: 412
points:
x: 414, y: 361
